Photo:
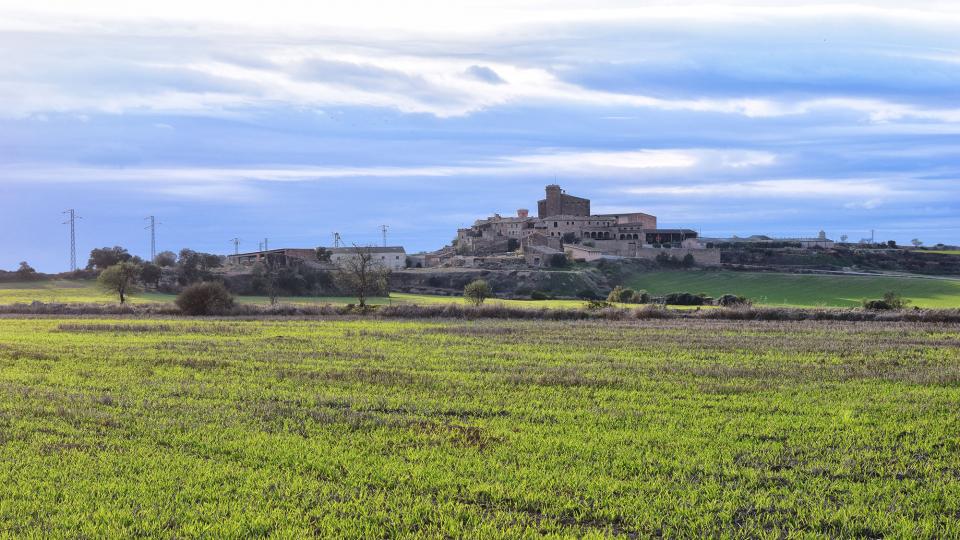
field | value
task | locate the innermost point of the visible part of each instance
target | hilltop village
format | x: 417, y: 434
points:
x: 564, y: 230
x: 561, y: 249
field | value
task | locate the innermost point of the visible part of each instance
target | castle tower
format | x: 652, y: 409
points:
x: 559, y: 203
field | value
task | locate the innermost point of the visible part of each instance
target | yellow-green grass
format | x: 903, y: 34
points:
x: 491, y: 429
x: 939, y: 251
x: 66, y: 291
x: 802, y: 290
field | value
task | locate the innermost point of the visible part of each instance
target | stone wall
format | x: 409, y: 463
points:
x: 702, y: 257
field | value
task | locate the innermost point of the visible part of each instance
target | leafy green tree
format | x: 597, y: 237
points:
x: 26, y: 272
x: 323, y: 254
x: 165, y: 259
x: 620, y: 294
x: 150, y: 274
x: 101, y: 258
x: 476, y: 291
x: 120, y: 279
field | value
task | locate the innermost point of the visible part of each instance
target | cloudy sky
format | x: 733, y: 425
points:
x: 293, y: 119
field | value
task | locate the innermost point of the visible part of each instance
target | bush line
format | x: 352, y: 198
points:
x: 494, y: 311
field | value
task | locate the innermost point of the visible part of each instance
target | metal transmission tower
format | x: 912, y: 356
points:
x: 383, y: 229
x: 153, y: 236
x: 72, y: 220
x: 236, y: 245
x: 336, y: 240
x: 266, y: 244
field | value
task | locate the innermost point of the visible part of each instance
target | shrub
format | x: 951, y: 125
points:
x: 733, y: 300
x: 587, y: 294
x: 476, y: 291
x: 618, y: 293
x: 890, y: 300
x: 628, y: 296
x: 594, y: 305
x: 558, y: 260
x: 539, y: 295
x: 206, y: 298
x: 683, y: 299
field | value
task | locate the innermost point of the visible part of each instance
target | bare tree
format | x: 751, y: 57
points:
x: 361, y: 274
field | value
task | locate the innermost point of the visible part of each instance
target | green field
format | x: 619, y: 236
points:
x: 64, y: 291
x: 345, y: 428
x: 802, y: 290
x: 941, y: 251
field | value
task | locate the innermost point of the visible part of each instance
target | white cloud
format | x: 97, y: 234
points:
x: 256, y: 52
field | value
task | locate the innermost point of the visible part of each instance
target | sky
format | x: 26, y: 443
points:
x: 293, y: 119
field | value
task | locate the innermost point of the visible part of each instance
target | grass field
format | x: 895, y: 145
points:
x: 66, y: 291
x: 941, y: 251
x: 346, y: 428
x: 764, y: 288
x: 802, y: 290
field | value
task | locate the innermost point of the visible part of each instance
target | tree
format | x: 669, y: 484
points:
x: 891, y: 243
x: 558, y: 260
x: 26, y: 272
x: 621, y: 294
x: 195, y: 265
x: 150, y: 274
x: 323, y: 254
x: 165, y: 259
x: 476, y: 291
x: 361, y: 275
x: 843, y: 238
x: 916, y: 242
x: 101, y: 258
x: 120, y: 279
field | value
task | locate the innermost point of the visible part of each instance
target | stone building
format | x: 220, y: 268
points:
x: 275, y: 257
x: 558, y: 203
x: 392, y: 257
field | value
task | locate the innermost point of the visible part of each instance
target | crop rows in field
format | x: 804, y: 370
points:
x: 496, y: 428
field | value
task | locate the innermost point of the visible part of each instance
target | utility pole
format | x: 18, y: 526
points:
x: 383, y: 229
x: 72, y: 220
x: 236, y: 245
x: 336, y: 240
x: 153, y: 237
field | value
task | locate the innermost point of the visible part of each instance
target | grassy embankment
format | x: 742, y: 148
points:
x: 802, y: 290
x: 187, y: 428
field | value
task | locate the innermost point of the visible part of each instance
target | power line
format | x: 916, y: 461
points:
x: 236, y: 245
x: 336, y: 240
x: 153, y: 236
x: 73, y: 236
x: 383, y: 229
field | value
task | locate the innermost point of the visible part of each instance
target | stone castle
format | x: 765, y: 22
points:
x: 565, y: 225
